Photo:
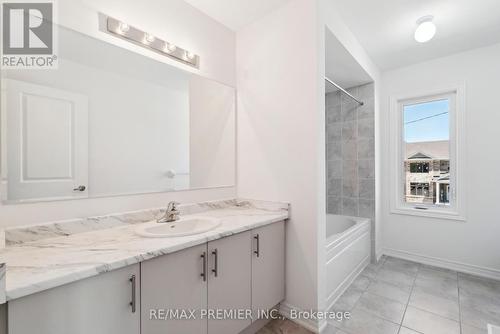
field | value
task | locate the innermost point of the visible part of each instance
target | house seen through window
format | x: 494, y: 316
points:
x: 426, y: 148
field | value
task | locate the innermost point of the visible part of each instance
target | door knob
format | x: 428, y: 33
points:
x: 80, y: 188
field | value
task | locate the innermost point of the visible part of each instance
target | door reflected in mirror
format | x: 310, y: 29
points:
x: 111, y: 122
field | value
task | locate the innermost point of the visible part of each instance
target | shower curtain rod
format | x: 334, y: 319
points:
x: 345, y: 92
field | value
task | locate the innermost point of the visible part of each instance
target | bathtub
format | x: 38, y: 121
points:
x: 348, y: 251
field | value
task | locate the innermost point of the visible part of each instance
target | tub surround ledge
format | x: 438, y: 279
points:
x: 49, y: 255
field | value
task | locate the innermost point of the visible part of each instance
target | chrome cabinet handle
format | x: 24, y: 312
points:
x: 133, y: 302
x: 257, y: 251
x: 204, y: 271
x: 80, y: 188
x: 216, y: 255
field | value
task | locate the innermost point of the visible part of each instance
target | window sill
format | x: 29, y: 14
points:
x: 429, y: 213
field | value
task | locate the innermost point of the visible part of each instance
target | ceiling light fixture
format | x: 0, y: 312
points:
x: 426, y: 29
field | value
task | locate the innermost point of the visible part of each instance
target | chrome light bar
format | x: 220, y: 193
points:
x: 124, y: 31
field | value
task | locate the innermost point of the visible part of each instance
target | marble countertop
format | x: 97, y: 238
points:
x: 60, y: 257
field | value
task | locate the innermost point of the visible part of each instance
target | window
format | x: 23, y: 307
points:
x: 419, y: 189
x: 425, y: 151
x: 419, y: 167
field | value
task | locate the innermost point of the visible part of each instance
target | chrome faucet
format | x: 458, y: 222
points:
x: 171, y: 215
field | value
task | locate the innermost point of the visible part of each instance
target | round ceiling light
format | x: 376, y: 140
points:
x: 426, y: 29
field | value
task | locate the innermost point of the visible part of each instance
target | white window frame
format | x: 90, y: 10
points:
x: 456, y: 209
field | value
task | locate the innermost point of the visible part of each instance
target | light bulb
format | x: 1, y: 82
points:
x: 426, y: 29
x: 124, y: 27
x: 190, y: 55
x: 149, y: 38
x: 169, y: 47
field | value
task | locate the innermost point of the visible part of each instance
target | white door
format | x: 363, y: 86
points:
x: 173, y: 282
x: 268, y: 266
x: 98, y: 305
x: 47, y: 142
x: 229, y: 283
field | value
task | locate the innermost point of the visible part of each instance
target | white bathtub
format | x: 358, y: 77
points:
x: 348, y: 250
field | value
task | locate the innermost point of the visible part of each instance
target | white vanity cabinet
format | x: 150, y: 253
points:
x: 229, y: 283
x: 241, y: 272
x: 177, y: 281
x: 268, y: 266
x: 97, y: 305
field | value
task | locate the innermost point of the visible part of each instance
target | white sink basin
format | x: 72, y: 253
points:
x: 179, y: 228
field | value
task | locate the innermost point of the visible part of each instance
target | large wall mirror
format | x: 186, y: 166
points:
x: 110, y: 122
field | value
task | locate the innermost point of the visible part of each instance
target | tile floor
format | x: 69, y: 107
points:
x: 402, y: 297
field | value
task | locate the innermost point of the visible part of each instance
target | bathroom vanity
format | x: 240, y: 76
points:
x: 112, y: 280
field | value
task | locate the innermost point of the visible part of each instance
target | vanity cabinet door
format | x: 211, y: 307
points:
x: 97, y: 305
x: 229, y: 283
x: 268, y: 266
x: 174, y: 282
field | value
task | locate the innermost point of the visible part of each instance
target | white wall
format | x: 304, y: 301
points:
x: 279, y: 132
x: 175, y: 21
x: 475, y: 241
x: 212, y: 124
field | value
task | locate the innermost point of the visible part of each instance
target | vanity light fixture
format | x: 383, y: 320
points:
x: 426, y: 29
x: 146, y: 40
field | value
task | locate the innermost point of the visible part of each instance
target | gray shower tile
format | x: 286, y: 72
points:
x: 333, y: 114
x: 349, y: 130
x: 349, y: 109
x: 332, y: 99
x: 333, y: 132
x: 334, y: 169
x: 367, y: 110
x: 367, y: 188
x: 366, y: 148
x: 334, y: 205
x: 366, y: 168
x: 350, y: 170
x: 366, y: 128
x: 333, y: 151
x: 349, y: 149
x: 367, y: 208
x: 349, y: 206
x: 334, y: 187
x: 350, y: 187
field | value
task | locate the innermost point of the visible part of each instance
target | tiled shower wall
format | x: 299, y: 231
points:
x: 350, y: 153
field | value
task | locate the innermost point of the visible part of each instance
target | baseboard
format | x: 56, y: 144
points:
x: 309, y: 324
x: 443, y: 263
x: 332, y: 298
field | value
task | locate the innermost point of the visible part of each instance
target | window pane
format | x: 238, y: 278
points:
x: 426, y: 135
